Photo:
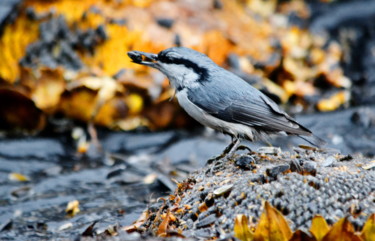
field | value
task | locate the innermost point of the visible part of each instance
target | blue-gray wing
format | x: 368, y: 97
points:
x: 239, y: 102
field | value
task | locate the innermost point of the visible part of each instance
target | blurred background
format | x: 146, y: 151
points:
x: 68, y: 92
x: 67, y: 59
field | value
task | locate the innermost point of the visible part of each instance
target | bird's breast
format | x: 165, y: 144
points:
x: 208, y: 120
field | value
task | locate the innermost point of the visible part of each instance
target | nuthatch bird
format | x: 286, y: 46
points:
x: 221, y: 100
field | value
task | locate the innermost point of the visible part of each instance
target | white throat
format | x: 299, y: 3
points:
x: 180, y: 76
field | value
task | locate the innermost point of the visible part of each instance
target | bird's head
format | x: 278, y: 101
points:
x: 184, y: 67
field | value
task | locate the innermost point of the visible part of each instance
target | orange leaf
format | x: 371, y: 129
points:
x: 319, y: 227
x: 368, y: 231
x: 241, y: 228
x: 163, y: 227
x: 342, y: 230
x: 272, y: 226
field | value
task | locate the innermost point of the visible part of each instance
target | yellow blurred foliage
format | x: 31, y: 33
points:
x: 13, y: 42
x: 96, y: 93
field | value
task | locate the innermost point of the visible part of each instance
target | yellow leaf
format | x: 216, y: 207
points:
x: 342, y: 230
x: 368, y: 231
x: 333, y: 102
x: 319, y: 227
x: 72, y: 208
x: 272, y: 226
x: 18, y: 177
x: 46, y: 87
x: 241, y: 228
x: 14, y: 39
x: 134, y: 103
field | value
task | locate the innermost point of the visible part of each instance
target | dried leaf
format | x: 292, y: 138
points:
x: 333, y: 102
x: 72, y: 208
x: 272, y: 225
x: 319, y: 227
x: 46, y: 87
x: 79, y: 103
x: 134, y: 103
x: 242, y: 230
x: 342, y: 230
x: 18, y: 177
x: 14, y: 39
x: 368, y: 231
x: 163, y: 227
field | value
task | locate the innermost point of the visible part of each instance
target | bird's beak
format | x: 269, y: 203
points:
x: 144, y: 58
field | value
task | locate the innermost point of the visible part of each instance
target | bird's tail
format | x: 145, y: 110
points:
x: 313, y: 140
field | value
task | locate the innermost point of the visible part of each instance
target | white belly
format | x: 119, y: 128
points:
x: 208, y: 120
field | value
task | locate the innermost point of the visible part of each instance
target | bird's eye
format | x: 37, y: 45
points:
x: 168, y: 57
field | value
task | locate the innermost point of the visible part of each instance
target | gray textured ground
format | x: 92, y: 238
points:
x: 300, y: 184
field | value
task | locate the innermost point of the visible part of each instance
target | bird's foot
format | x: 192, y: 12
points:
x: 215, y: 159
x: 228, y: 151
x: 229, y: 154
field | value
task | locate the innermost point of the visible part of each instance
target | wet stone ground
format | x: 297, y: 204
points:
x: 116, y: 183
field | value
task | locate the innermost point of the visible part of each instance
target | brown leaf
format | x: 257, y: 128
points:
x: 342, y: 230
x: 163, y: 227
x: 46, y: 86
x: 241, y: 228
x: 272, y: 226
x: 79, y: 103
x: 299, y: 235
x: 319, y: 227
x: 368, y: 231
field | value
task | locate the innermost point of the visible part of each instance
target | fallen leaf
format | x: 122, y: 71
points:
x: 72, y: 208
x: 333, y: 102
x: 18, y: 177
x: 342, y: 230
x: 46, y: 86
x: 272, y: 226
x: 319, y: 227
x: 163, y: 227
x: 368, y: 231
x: 242, y: 230
x: 14, y: 39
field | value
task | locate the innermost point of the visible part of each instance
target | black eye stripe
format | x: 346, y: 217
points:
x: 201, y: 71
